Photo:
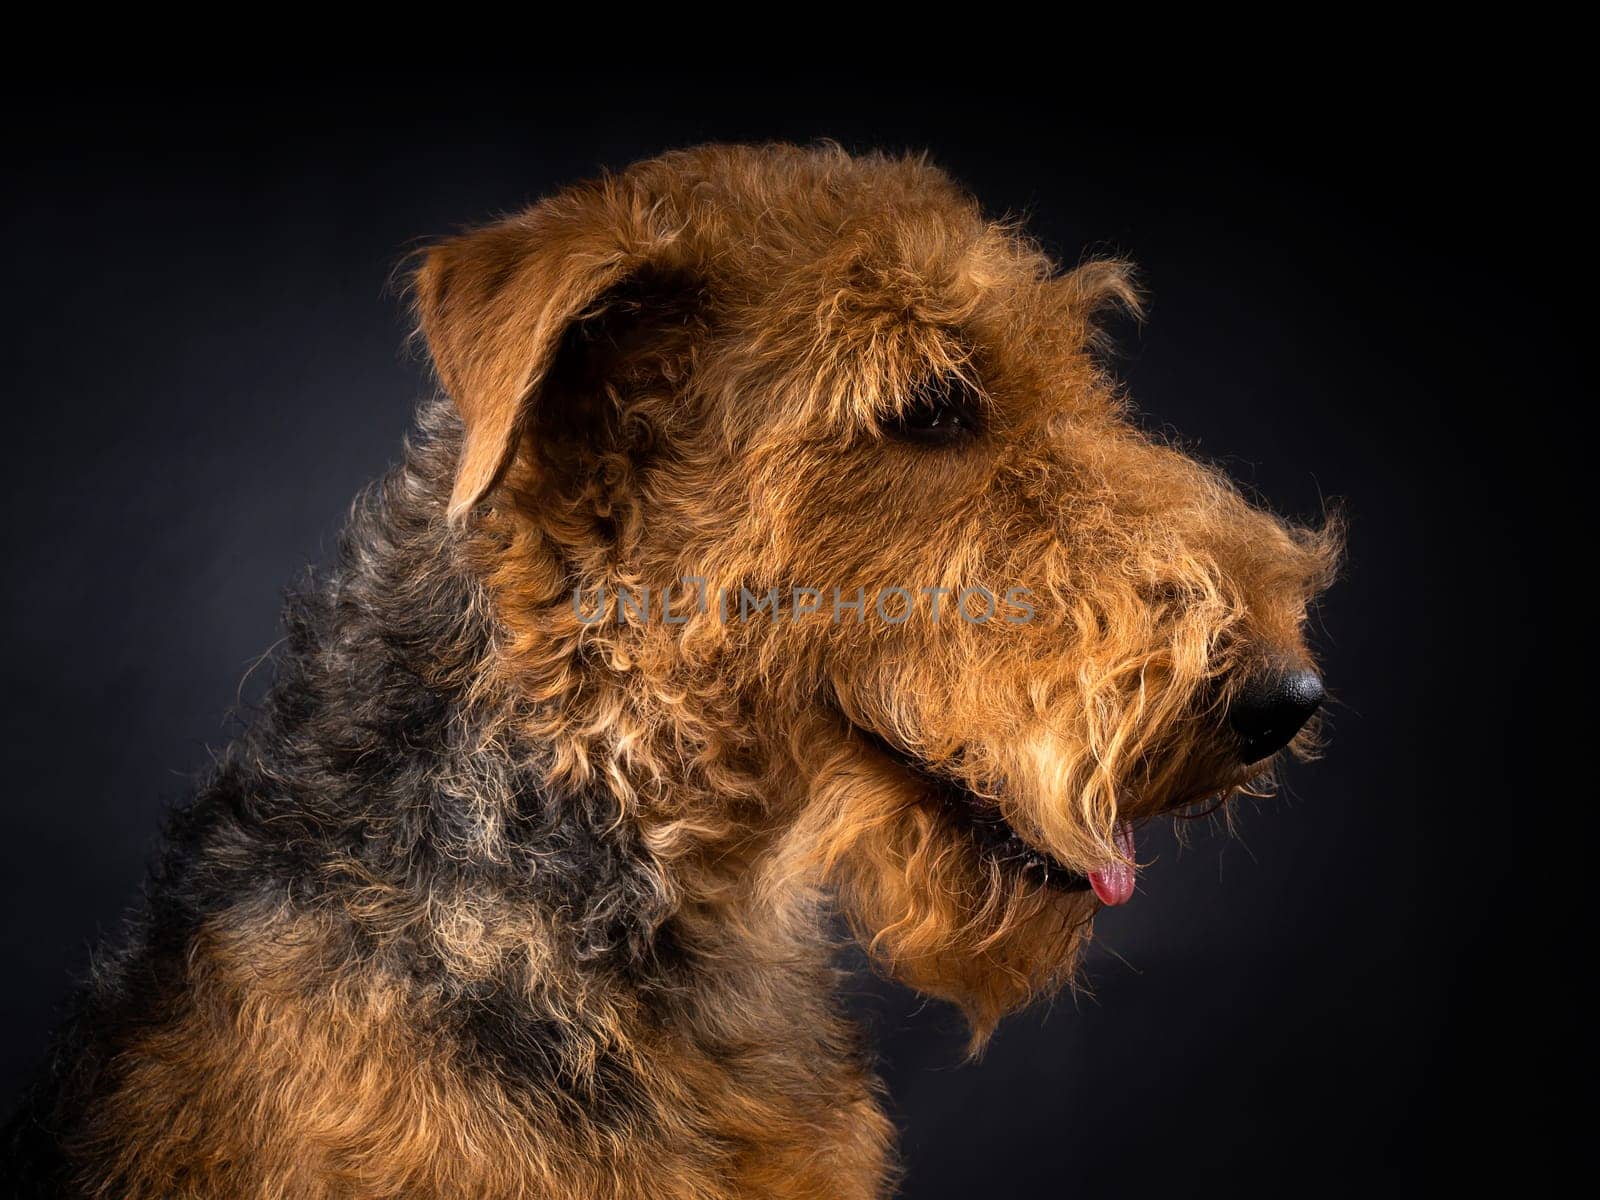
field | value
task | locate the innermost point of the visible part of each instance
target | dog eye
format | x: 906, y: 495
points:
x: 941, y: 411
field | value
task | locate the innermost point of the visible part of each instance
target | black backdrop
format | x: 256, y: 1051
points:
x: 205, y: 360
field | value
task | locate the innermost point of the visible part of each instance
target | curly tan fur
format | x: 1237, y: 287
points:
x: 503, y: 901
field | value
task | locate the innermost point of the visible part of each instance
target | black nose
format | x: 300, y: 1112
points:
x: 1271, y: 709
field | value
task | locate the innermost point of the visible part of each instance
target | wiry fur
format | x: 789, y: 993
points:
x: 493, y: 901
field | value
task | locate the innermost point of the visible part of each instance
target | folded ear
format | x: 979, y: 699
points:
x: 496, y: 303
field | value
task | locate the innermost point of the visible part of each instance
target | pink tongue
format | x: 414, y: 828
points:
x: 1113, y: 883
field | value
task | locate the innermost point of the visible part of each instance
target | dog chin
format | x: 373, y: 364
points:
x: 944, y: 896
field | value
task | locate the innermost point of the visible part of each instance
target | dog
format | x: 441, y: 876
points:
x: 780, y: 547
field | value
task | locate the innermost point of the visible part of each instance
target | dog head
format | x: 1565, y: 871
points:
x: 819, y: 534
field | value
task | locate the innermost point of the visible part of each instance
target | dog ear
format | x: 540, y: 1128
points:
x: 496, y: 304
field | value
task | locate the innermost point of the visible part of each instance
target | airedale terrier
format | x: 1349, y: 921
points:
x: 782, y: 547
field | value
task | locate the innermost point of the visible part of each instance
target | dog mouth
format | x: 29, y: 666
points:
x: 981, y: 819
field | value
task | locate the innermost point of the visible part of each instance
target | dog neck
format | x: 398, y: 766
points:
x: 627, y: 821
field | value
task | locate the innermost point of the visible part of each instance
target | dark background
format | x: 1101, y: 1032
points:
x: 1352, y: 298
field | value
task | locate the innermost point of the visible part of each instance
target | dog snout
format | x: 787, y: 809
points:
x: 1272, y: 707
